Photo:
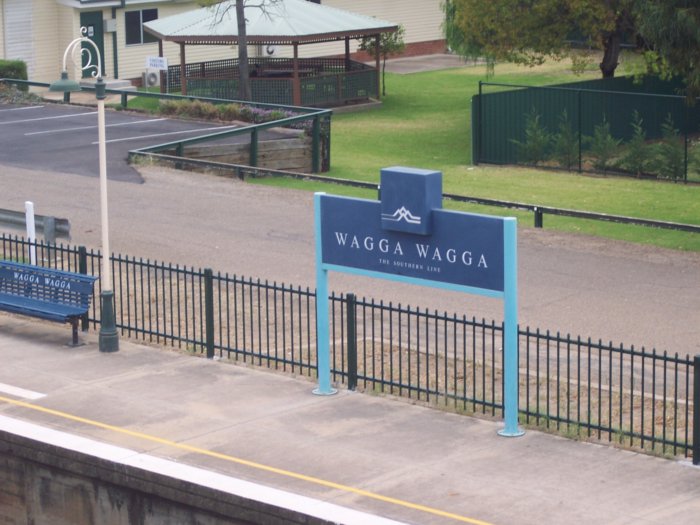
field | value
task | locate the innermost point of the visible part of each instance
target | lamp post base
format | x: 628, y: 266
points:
x: 109, y: 337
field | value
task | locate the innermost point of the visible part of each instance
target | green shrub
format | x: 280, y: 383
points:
x: 694, y: 159
x: 15, y: 69
x: 670, y: 159
x: 199, y: 109
x: 565, y: 144
x: 230, y: 111
x: 534, y: 148
x: 603, y: 146
x: 169, y: 107
x: 637, y: 155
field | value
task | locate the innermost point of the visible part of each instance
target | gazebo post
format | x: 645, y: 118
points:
x: 377, y: 44
x: 160, y: 54
x: 347, y: 53
x: 296, y: 84
x: 183, y: 64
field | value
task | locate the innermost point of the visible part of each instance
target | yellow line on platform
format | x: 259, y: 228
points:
x: 251, y: 464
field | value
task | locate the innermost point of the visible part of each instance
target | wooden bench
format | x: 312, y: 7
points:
x: 49, y: 294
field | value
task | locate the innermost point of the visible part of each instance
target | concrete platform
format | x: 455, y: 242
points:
x: 368, y: 453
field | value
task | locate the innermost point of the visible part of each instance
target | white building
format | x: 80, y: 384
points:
x: 38, y: 31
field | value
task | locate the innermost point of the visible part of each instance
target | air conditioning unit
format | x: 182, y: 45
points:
x: 150, y: 78
x: 270, y: 51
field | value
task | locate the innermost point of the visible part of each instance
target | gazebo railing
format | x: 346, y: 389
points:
x: 323, y: 81
x: 339, y: 88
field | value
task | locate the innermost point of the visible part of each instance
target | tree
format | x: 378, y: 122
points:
x: 529, y: 31
x: 223, y: 7
x: 565, y: 145
x: 537, y: 141
x: 670, y: 32
x: 389, y: 44
x: 637, y: 154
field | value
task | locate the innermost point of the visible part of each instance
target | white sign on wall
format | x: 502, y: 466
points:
x: 160, y: 63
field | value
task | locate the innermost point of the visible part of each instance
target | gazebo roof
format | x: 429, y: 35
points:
x: 283, y: 22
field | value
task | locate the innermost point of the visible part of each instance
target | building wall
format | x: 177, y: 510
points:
x: 421, y: 19
x: 132, y: 58
x: 47, y: 21
x: 41, y: 38
x: 2, y: 28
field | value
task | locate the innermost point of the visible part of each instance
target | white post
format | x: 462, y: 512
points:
x: 104, y: 219
x: 31, y: 230
x: 109, y: 337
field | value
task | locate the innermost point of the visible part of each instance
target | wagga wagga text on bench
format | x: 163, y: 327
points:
x: 42, y: 280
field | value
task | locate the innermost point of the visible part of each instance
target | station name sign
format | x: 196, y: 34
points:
x: 407, y: 233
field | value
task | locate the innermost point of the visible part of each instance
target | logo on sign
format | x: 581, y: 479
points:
x: 409, y: 196
x: 402, y: 214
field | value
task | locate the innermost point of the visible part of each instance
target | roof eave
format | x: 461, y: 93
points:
x: 275, y: 40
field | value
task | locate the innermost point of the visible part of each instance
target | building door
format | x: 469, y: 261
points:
x: 92, y: 20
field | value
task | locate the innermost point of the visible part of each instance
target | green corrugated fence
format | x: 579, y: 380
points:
x: 509, y: 120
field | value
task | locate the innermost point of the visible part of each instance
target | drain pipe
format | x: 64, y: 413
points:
x: 115, y: 54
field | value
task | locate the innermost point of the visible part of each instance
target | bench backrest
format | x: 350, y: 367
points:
x: 45, y: 284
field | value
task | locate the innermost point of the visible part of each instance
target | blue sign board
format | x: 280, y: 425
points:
x: 407, y: 236
x: 464, y: 249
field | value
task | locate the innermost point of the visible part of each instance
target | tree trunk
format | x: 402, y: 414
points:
x: 244, y: 76
x: 611, y: 53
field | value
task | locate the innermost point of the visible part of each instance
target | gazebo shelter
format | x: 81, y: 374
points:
x: 315, y: 82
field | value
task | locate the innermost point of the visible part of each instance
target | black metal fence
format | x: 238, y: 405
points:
x: 579, y: 387
x: 322, y: 81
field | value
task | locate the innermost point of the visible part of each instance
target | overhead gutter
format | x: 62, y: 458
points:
x: 82, y: 4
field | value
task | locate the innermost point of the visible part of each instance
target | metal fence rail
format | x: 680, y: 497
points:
x: 316, y: 121
x: 580, y: 387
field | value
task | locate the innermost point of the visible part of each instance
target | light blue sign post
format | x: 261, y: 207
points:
x: 408, y: 237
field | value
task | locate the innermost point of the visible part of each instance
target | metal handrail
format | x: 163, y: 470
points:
x: 17, y: 219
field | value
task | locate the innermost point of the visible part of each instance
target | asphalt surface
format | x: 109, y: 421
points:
x: 63, y: 138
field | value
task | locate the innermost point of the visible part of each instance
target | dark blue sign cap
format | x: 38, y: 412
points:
x: 409, y: 195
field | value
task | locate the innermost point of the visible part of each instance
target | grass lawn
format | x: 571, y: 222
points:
x: 425, y: 122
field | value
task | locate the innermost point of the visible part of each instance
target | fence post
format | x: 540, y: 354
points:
x: 480, y: 134
x: 49, y: 228
x: 580, y: 134
x: 315, y: 146
x: 209, y: 311
x: 254, y: 147
x: 82, y: 268
x: 685, y: 155
x: 696, y: 410
x: 351, y: 322
x: 539, y: 217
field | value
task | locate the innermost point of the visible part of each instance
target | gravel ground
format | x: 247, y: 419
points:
x: 571, y: 283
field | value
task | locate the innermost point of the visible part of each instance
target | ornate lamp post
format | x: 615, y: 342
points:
x: 109, y: 338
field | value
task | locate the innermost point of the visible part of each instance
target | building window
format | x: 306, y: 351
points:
x: 133, y: 21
